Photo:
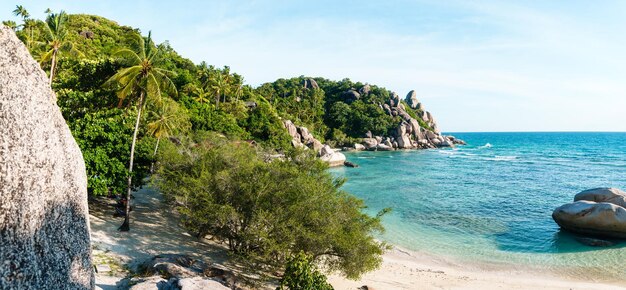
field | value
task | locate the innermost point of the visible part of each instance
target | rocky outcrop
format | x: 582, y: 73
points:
x: 365, y: 90
x: 310, y: 84
x: 301, y: 137
x: 181, y: 272
x: 412, y: 101
x: 409, y: 134
x: 350, y: 96
x: 44, y: 221
x: 596, y: 212
x: 332, y: 157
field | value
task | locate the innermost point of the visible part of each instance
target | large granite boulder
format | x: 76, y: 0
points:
x: 310, y: 84
x: 44, y: 220
x: 333, y: 158
x: 610, y: 195
x: 350, y: 96
x: 411, y: 99
x: 607, y: 217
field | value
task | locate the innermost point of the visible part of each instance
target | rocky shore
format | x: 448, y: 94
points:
x: 419, y: 132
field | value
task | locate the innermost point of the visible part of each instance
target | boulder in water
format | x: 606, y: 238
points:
x: 598, y: 211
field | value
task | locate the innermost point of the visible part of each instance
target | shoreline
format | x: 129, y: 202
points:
x: 406, y: 269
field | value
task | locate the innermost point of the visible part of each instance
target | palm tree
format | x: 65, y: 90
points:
x: 20, y: 11
x: 48, y: 11
x: 166, y: 118
x: 28, y: 25
x: 142, y: 77
x: 56, y: 42
x: 219, y: 87
x: 10, y: 24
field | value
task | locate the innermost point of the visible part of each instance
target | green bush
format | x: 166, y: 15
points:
x: 267, y: 211
x: 301, y: 274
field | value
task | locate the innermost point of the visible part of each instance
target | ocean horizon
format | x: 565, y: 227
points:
x: 491, y: 201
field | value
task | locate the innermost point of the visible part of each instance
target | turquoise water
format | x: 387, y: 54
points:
x: 491, y: 201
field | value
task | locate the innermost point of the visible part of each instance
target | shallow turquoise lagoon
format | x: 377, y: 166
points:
x: 491, y: 201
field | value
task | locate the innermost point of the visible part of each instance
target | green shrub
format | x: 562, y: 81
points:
x: 301, y: 274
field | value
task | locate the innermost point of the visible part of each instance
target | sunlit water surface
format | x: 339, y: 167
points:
x: 491, y: 201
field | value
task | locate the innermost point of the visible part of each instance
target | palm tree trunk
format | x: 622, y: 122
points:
x: 154, y: 155
x: 217, y: 101
x: 126, y: 225
x: 53, y: 65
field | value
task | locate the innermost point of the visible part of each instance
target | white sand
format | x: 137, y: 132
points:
x: 155, y: 230
x: 403, y: 269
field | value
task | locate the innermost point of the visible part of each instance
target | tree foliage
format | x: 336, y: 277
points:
x: 267, y: 211
x: 301, y: 274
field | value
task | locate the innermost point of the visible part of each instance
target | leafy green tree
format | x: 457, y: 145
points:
x: 301, y: 274
x: 142, y: 78
x: 166, y: 118
x: 267, y: 211
x: 55, y: 35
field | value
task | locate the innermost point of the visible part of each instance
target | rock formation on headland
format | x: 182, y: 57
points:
x: 302, y: 138
x: 410, y: 132
x: 596, y: 212
x: 44, y: 227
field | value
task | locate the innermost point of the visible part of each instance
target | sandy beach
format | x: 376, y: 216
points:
x: 402, y: 269
x: 155, y: 230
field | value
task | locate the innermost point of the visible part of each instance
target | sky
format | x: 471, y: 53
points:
x: 478, y: 66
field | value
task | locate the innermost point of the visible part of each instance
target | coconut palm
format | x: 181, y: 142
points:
x: 20, y: 11
x: 142, y: 79
x: 56, y: 41
x: 219, y: 87
x: 200, y: 94
x: 28, y: 25
x: 166, y: 118
x: 10, y: 24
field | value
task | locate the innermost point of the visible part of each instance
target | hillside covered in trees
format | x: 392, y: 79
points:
x: 139, y: 109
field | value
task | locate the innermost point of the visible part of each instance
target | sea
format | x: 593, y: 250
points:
x: 490, y: 202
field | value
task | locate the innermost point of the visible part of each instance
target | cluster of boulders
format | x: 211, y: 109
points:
x: 181, y: 272
x: 596, y: 212
x: 409, y: 134
x: 302, y: 138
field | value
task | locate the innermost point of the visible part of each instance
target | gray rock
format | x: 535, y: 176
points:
x: 154, y: 283
x: 365, y: 90
x: 334, y: 159
x: 310, y: 84
x: 592, y: 218
x: 292, y: 130
x: 44, y: 220
x: 350, y: 164
x: 173, y: 265
x: 358, y: 146
x: 394, y: 99
x: 610, y: 195
x: 368, y: 134
x: 198, y: 283
x: 412, y: 101
x: 383, y: 147
x: 350, y: 96
x: 370, y: 143
x: 404, y: 142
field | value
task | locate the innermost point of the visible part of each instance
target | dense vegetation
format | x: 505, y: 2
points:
x: 265, y: 211
x: 129, y: 101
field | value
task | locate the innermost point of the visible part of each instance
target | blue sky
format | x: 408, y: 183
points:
x: 477, y: 65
